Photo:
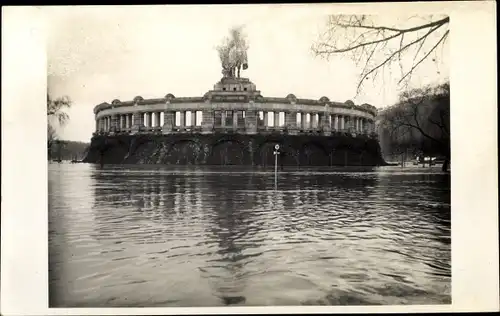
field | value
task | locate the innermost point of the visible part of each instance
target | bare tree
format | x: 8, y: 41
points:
x: 376, y: 47
x: 421, y: 117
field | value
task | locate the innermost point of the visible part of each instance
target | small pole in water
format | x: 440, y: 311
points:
x: 276, y: 153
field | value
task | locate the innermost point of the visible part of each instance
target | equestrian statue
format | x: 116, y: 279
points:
x: 233, y: 54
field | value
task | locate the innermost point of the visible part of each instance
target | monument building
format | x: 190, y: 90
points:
x: 233, y: 123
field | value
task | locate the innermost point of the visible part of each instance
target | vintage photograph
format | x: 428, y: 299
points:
x: 247, y: 155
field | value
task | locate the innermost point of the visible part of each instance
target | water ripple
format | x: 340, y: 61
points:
x: 158, y: 236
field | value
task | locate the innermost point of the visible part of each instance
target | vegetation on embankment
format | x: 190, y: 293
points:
x: 234, y: 149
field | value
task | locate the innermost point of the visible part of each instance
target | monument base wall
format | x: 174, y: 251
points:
x: 235, y: 149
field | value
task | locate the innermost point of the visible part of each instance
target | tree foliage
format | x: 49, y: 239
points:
x: 420, y: 121
x: 56, y: 114
x: 375, y: 47
x: 56, y: 108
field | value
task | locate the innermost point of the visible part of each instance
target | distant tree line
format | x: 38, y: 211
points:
x: 418, y: 124
x: 68, y: 150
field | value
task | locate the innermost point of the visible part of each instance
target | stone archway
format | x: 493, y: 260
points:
x: 313, y: 154
x: 264, y: 155
x: 347, y: 156
x: 183, y: 152
x: 228, y: 152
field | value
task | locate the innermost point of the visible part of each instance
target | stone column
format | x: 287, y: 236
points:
x: 276, y: 119
x: 336, y: 123
x: 168, y: 122
x: 207, y: 123
x: 291, y: 122
x: 184, y: 119
x: 324, y: 123
x: 114, y: 123
x: 266, y: 118
x: 193, y: 119
x: 149, y: 116
x: 251, y: 117
x: 235, y: 119
x: 223, y: 118
x: 138, y: 122
x: 290, y: 119
x: 154, y: 120
x: 141, y: 118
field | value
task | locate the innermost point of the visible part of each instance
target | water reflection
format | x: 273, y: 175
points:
x: 156, y: 236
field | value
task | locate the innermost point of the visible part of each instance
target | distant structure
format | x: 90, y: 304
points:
x: 234, y: 124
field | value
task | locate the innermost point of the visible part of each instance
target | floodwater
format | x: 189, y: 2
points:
x: 215, y: 236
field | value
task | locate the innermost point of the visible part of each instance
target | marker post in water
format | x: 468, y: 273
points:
x: 276, y: 153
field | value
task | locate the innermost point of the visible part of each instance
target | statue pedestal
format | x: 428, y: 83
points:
x: 232, y: 84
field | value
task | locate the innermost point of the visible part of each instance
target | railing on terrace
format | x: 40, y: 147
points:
x: 284, y: 130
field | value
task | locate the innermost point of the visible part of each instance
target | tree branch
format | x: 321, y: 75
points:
x: 390, y: 57
x: 426, y: 55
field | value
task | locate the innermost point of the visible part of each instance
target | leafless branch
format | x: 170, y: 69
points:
x: 423, y: 58
x: 364, y: 39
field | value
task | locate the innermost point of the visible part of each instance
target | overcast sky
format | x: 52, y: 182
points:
x: 97, y: 54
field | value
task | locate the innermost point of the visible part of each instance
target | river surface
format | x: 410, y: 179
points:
x: 213, y: 236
